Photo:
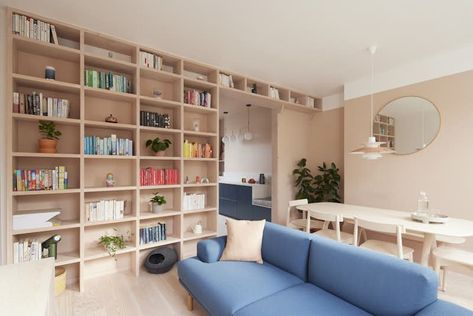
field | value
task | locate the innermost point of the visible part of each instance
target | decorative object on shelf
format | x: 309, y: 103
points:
x: 48, y: 143
x: 186, y: 181
x: 201, y: 78
x: 262, y: 179
x: 160, y: 260
x: 110, y: 54
x: 112, y: 243
x: 111, y: 119
x: 60, y: 277
x: 372, y: 149
x: 204, y: 180
x: 243, y: 180
x: 158, y: 94
x: 50, y: 73
x: 109, y: 180
x: 49, y: 246
x: 197, y: 179
x: 324, y: 187
x: 252, y: 181
x: 248, y: 135
x: 158, y: 146
x: 157, y: 203
x: 254, y: 89
x: 197, y: 229
x: 196, y: 125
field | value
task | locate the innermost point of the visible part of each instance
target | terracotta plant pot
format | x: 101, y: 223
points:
x: 159, y: 154
x: 47, y: 146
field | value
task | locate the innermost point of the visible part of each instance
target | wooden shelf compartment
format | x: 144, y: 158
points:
x: 163, y: 108
x: 96, y: 170
x: 69, y: 206
x: 26, y: 134
x: 160, y: 164
x: 173, y: 202
x: 41, y: 48
x: 239, y: 82
x: 105, y: 46
x: 284, y: 93
x: 106, y: 130
x: 200, y: 72
x: 100, y: 103
x: 261, y: 87
x: 168, y: 85
x: 174, y: 149
x: 171, y: 64
x: 131, y: 205
x: 207, y: 123
x: 143, y: 253
x: 201, y: 169
x: 39, y: 83
x: 68, y: 249
x: 202, y: 138
x: 201, y: 86
x: 211, y: 196
x: 173, y: 230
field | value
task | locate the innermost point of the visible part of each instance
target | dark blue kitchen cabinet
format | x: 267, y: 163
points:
x: 236, y: 201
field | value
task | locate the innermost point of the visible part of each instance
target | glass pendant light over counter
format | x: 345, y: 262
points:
x: 372, y: 149
x: 248, y: 135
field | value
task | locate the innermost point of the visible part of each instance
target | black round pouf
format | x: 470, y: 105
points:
x: 160, y: 260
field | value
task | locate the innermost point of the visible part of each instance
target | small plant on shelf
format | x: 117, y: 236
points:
x: 48, y: 143
x: 158, y: 146
x: 112, y: 243
x: 157, y: 202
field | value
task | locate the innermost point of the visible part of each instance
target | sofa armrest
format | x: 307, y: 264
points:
x: 442, y: 308
x: 210, y: 250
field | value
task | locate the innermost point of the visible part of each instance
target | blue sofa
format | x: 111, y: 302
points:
x: 304, y: 274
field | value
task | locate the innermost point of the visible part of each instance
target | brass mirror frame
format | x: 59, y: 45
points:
x: 435, y: 107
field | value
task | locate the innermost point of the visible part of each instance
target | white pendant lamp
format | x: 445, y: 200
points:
x: 248, y: 135
x: 372, y: 149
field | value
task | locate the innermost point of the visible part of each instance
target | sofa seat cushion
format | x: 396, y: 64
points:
x: 442, y: 308
x: 224, y: 287
x: 301, y: 300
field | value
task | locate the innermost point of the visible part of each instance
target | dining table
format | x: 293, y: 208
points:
x: 431, y: 232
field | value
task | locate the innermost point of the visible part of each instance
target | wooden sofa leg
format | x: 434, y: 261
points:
x: 190, y: 302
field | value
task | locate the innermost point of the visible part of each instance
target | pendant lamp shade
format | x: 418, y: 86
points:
x: 372, y: 149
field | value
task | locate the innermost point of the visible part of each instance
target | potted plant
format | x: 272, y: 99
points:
x: 158, y: 146
x: 112, y: 243
x: 157, y: 202
x: 48, y: 143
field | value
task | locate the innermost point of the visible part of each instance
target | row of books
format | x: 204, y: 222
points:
x: 226, y: 80
x: 25, y: 251
x: 40, y: 179
x: 156, y: 176
x: 107, y: 80
x: 155, y: 119
x: 32, y: 28
x: 151, y: 60
x: 104, y: 210
x: 193, y: 201
x: 94, y: 145
x: 197, y: 150
x: 274, y: 93
x: 152, y: 233
x: 38, y: 104
x: 196, y: 97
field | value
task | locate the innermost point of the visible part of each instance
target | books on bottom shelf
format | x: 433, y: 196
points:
x: 26, y: 250
x: 152, y: 233
x: 40, y: 179
x: 193, y: 201
x: 38, y: 104
x: 104, y: 210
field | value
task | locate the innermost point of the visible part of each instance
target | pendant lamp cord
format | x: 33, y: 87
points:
x: 372, y: 87
x: 248, y: 119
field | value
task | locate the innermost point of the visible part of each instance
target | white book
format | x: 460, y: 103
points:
x: 15, y: 252
x: 35, y: 219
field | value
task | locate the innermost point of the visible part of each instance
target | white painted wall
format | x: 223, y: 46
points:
x: 253, y: 156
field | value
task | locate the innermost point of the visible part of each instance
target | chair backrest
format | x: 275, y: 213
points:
x: 292, y: 204
x: 380, y: 228
x: 327, y: 218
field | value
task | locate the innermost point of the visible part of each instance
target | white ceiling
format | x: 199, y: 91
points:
x: 314, y: 46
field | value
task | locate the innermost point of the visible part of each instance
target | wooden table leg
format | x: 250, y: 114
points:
x: 427, y: 246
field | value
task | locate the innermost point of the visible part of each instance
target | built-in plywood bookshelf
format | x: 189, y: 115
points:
x: 159, y: 86
x: 384, y: 130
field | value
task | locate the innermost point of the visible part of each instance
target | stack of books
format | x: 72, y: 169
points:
x: 154, y: 119
x: 310, y: 102
x: 94, y: 145
x: 155, y: 176
x: 38, y: 104
x: 193, y: 201
x: 104, y: 210
x: 196, y: 97
x: 107, y: 80
x: 151, y: 60
x: 26, y: 250
x: 226, y: 81
x: 33, y: 28
x: 40, y: 179
x: 274, y: 93
x: 196, y: 150
x: 154, y: 233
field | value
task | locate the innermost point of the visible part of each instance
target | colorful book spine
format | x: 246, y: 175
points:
x: 153, y: 233
x: 151, y: 60
x: 38, y: 104
x: 156, y: 176
x: 40, y: 179
x: 196, y: 97
x: 197, y: 150
x: 107, y: 80
x: 94, y: 145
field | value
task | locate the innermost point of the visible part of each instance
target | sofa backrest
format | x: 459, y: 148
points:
x: 377, y: 283
x: 286, y: 248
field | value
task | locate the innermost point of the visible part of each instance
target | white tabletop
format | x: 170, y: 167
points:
x: 454, y: 227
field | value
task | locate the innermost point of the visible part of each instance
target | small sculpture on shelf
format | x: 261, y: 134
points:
x: 111, y: 119
x: 158, y: 94
x: 50, y: 73
x: 197, y: 229
x: 197, y: 179
x: 48, y: 143
x: 204, y: 180
x: 109, y: 180
x: 157, y: 203
x: 186, y: 180
x: 49, y: 246
x: 158, y: 146
x: 196, y: 125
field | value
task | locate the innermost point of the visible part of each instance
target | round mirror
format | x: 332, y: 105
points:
x: 407, y: 124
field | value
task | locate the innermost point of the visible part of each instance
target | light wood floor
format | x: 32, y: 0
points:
x: 149, y: 294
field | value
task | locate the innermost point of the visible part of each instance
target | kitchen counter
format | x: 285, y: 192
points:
x: 261, y: 193
x: 244, y: 200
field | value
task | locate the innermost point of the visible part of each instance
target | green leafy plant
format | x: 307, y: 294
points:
x: 48, y: 130
x: 324, y: 187
x: 112, y: 243
x: 160, y: 199
x: 157, y: 145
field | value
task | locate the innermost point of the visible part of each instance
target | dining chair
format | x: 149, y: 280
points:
x: 335, y: 234
x: 301, y: 223
x: 388, y: 248
x: 445, y: 256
